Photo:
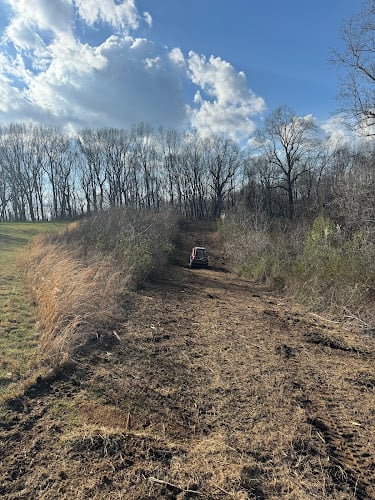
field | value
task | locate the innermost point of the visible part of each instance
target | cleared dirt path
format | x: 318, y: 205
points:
x: 217, y: 389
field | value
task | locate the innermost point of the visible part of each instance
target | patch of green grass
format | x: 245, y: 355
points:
x: 18, y: 334
x: 66, y: 413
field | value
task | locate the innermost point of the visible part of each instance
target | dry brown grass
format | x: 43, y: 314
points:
x: 79, y: 278
x: 77, y: 301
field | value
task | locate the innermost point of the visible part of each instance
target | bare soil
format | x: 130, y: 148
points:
x: 214, y: 388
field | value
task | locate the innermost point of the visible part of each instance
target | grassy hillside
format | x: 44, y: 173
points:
x: 18, y: 335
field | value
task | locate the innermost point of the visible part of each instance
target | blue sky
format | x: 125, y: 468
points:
x: 215, y: 65
x: 282, y: 46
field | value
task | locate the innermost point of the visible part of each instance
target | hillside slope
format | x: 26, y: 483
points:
x: 213, y: 389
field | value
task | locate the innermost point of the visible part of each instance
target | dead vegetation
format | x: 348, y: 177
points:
x: 322, y: 265
x: 80, y: 278
x: 215, y: 389
x: 76, y: 302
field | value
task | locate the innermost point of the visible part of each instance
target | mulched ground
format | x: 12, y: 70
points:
x: 216, y: 389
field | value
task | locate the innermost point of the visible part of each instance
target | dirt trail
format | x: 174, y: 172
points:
x: 217, y: 389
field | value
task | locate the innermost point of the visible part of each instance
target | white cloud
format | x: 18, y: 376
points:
x: 139, y: 84
x: 34, y: 18
x: 230, y: 104
x: 51, y: 74
x: 336, y: 132
x: 215, y: 117
x: 24, y: 36
x: 177, y: 57
x: 119, y: 83
x: 71, y: 63
x: 120, y: 16
x: 147, y: 17
x: 55, y: 77
x: 8, y: 93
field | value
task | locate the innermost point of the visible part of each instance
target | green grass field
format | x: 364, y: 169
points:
x: 18, y: 333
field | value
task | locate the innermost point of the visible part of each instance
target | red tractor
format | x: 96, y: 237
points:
x: 198, y: 257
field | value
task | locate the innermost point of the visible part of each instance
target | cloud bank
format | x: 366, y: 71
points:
x: 80, y: 63
x: 229, y: 105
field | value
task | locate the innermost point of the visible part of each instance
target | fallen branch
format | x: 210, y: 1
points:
x: 160, y: 481
x: 350, y: 315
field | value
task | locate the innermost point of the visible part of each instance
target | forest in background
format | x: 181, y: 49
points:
x: 294, y: 174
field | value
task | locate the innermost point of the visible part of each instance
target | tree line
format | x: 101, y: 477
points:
x: 46, y: 174
x: 292, y: 171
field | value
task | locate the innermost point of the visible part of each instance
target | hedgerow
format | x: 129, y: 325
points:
x: 80, y: 277
x: 321, y: 264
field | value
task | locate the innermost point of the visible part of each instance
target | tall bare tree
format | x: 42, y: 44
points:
x: 171, y: 157
x: 94, y: 176
x: 193, y: 177
x: 59, y: 163
x: 22, y: 169
x: 224, y: 159
x: 115, y: 147
x: 351, y: 187
x: 286, y: 143
x: 146, y: 164
x: 5, y: 195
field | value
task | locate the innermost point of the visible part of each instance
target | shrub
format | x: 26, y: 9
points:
x: 258, y: 249
x: 319, y: 264
x: 78, y: 277
x: 335, y: 271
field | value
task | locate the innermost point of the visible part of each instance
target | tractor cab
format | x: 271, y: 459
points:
x: 198, y: 257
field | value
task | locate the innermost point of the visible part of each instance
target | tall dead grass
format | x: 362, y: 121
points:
x: 78, y: 278
x: 319, y: 263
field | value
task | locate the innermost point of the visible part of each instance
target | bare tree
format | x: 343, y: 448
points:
x: 351, y: 188
x: 94, y: 176
x: 146, y: 164
x: 5, y: 195
x: 357, y: 59
x: 262, y: 180
x: 115, y: 147
x: 223, y: 159
x: 59, y: 162
x: 22, y: 170
x: 285, y: 142
x: 193, y: 177
x: 171, y: 148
